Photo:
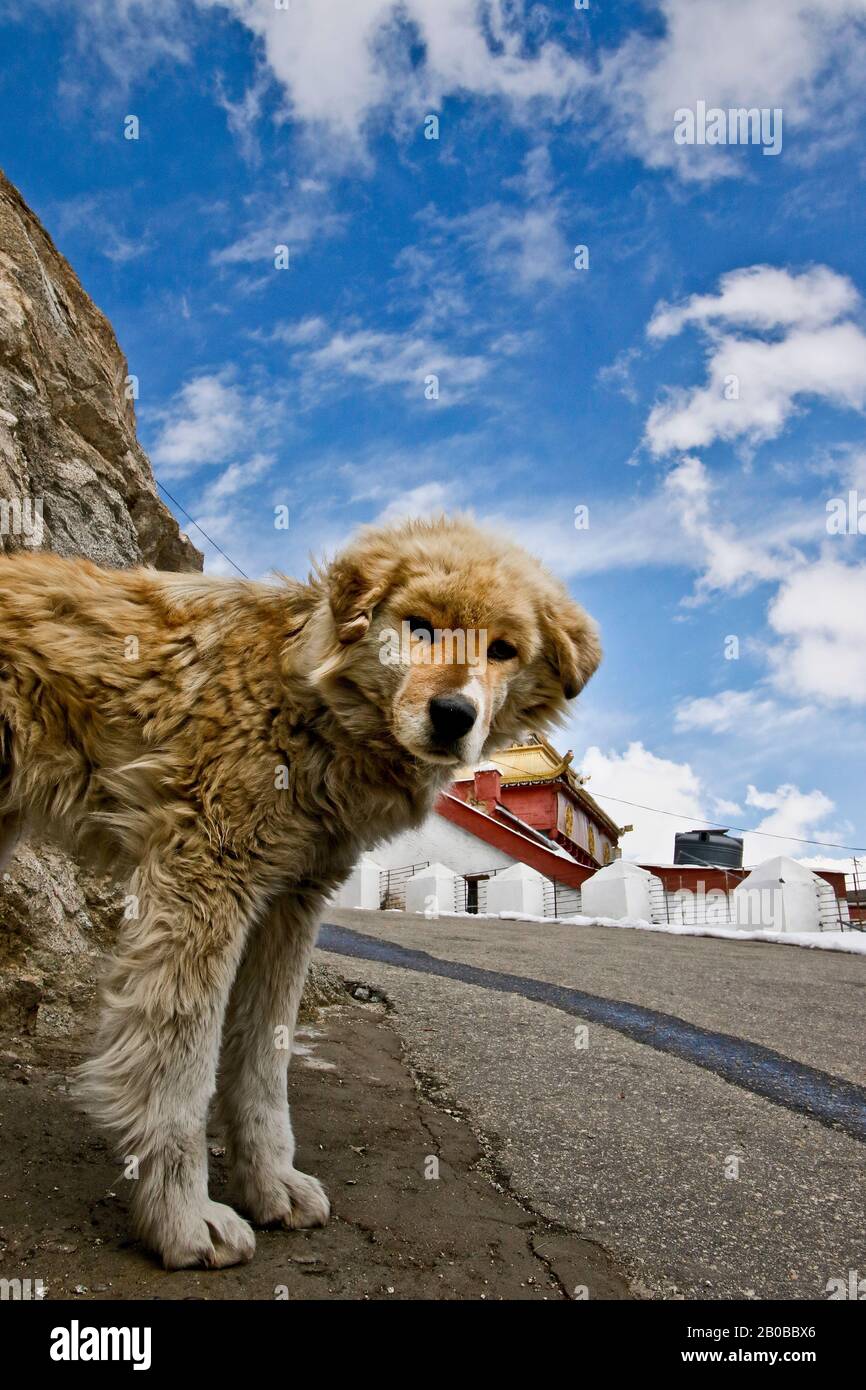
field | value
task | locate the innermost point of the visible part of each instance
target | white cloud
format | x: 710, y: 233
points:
x: 754, y: 385
x: 201, y: 425
x: 340, y: 66
x: 519, y: 242
x: 622, y: 534
x: 772, y: 378
x: 637, y: 775
x: 299, y: 332
x: 819, y: 615
x: 93, y: 216
x: 379, y: 358
x: 838, y: 864
x: 687, y: 521
x: 427, y: 499
x: 523, y: 248
x: 380, y: 471
x: 763, y: 297
x: 733, y: 558
x: 243, y: 115
x: 746, y: 711
x: 210, y: 420
x: 804, y: 56
x: 617, y: 375
x: 236, y: 479
x: 345, y: 69
x: 301, y: 218
x: 431, y: 285
x: 239, y: 520
x: 128, y: 36
x: 790, y: 813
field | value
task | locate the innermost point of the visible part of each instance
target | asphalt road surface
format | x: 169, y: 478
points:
x: 364, y: 1125
x: 695, y: 1107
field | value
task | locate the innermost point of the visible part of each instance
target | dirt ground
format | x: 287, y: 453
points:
x: 368, y: 1126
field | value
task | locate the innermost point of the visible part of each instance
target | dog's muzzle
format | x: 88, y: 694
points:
x: 451, y: 716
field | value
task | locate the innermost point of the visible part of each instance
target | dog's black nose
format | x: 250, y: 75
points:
x: 452, y: 716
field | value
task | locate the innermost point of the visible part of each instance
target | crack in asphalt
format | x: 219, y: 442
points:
x: 830, y: 1100
x: 429, y: 1092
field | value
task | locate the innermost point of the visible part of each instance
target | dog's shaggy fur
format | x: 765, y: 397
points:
x: 236, y: 746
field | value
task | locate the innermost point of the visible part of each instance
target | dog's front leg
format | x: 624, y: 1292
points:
x: 257, y: 1043
x: 151, y: 1084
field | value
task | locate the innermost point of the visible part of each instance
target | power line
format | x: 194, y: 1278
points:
x: 194, y: 523
x: 714, y: 825
x: 742, y: 829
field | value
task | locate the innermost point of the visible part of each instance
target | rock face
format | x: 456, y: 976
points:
x: 74, y: 479
x: 67, y: 428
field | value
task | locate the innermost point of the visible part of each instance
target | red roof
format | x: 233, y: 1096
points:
x: 512, y: 841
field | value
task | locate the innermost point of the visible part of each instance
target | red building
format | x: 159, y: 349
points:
x: 528, y: 806
x: 532, y: 788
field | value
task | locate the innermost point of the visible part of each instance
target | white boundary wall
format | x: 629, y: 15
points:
x: 518, y: 889
x: 431, y: 890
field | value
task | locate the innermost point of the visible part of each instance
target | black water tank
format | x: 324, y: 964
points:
x: 711, y: 847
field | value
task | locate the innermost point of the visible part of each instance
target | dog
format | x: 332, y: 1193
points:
x: 233, y: 747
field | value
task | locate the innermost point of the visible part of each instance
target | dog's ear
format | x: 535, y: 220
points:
x: 572, y: 644
x: 357, y: 581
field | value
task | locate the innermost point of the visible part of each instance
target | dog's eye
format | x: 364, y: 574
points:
x: 420, y: 627
x: 500, y: 650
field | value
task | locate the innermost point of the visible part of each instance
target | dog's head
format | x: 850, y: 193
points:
x: 447, y: 639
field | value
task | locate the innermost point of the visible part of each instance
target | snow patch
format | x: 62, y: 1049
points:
x: 852, y: 942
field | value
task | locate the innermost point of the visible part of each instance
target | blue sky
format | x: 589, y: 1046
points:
x: 700, y: 387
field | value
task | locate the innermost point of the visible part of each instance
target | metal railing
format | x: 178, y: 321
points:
x: 855, y: 895
x: 687, y: 905
x: 470, y: 891
x: 684, y: 906
x: 392, y: 885
x: 680, y: 905
x: 560, y: 899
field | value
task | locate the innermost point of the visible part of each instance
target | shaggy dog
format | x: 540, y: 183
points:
x: 236, y: 746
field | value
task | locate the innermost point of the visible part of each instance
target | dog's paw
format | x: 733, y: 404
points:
x: 288, y: 1198
x: 308, y: 1201
x: 212, y: 1235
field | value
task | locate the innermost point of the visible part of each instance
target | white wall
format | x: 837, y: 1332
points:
x: 518, y: 889
x: 779, y: 895
x: 432, y: 890
x: 618, y: 890
x: 361, y: 888
x: 437, y: 839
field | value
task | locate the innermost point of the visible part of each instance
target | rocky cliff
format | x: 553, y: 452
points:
x: 73, y: 478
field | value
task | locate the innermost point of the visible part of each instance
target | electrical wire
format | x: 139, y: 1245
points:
x: 194, y: 523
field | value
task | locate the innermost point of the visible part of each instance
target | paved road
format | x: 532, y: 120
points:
x: 630, y: 1138
x: 364, y: 1127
